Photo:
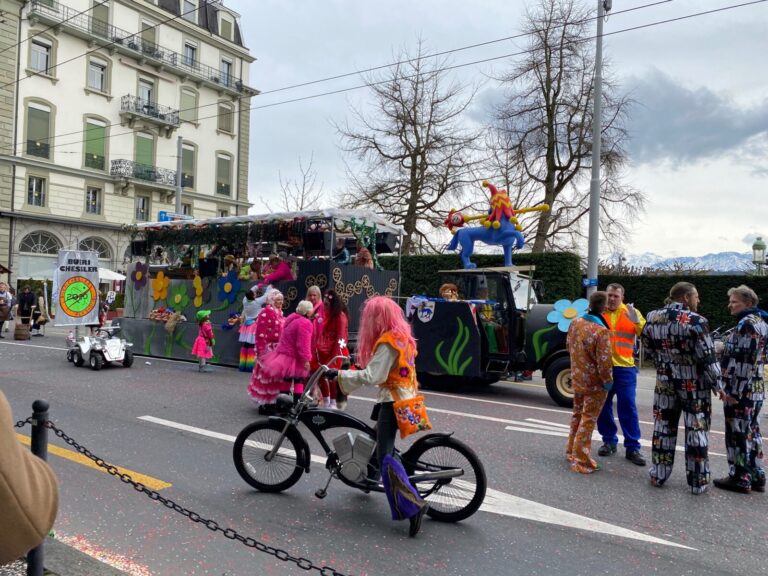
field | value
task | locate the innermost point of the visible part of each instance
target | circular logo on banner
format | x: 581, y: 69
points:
x: 77, y: 296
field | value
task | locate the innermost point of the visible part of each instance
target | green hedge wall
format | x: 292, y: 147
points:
x: 559, y: 271
x: 649, y: 292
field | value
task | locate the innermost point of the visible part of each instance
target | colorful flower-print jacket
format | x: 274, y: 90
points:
x: 589, y: 345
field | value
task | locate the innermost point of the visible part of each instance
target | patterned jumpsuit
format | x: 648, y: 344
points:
x: 742, y: 365
x: 687, y: 373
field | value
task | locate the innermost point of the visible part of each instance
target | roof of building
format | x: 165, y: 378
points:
x: 207, y: 16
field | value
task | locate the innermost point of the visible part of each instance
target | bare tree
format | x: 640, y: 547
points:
x: 543, y: 130
x: 299, y: 194
x: 412, y: 155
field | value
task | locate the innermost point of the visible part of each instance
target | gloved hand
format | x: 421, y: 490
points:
x: 632, y: 314
x: 331, y: 374
x: 607, y: 386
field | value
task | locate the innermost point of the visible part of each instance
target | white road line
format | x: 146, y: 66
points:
x: 496, y: 502
x: 497, y: 402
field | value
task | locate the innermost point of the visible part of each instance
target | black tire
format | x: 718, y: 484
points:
x: 70, y: 356
x: 79, y: 360
x: 95, y: 361
x: 559, y: 384
x: 279, y: 474
x: 454, y: 499
x: 128, y: 359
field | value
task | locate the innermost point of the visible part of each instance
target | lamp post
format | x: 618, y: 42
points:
x: 758, y: 256
x: 603, y: 6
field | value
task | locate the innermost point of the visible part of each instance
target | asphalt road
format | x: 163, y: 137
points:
x: 174, y: 425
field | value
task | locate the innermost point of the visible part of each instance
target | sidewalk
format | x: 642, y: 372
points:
x: 63, y: 560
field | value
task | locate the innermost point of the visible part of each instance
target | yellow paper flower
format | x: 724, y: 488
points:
x: 160, y: 286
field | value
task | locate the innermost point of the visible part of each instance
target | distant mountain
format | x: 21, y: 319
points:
x: 716, y: 262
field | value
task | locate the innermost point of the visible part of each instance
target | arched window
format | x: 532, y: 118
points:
x: 40, y: 243
x: 93, y: 244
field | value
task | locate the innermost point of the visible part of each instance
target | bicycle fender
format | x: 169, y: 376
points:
x: 429, y: 439
x: 304, y: 457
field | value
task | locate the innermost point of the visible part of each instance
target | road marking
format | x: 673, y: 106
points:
x: 484, y: 401
x: 496, y: 502
x: 78, y: 458
x: 534, y: 426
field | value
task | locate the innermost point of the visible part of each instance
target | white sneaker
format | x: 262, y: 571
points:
x: 333, y: 404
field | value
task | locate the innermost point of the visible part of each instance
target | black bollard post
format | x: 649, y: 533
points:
x: 39, y: 449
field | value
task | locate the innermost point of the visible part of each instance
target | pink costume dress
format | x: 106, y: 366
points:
x: 269, y: 327
x: 202, y: 346
x: 286, y: 361
x: 282, y: 273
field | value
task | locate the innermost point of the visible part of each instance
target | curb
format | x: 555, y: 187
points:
x: 63, y: 560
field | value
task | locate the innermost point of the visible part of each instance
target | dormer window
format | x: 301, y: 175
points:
x: 226, y: 26
x: 189, y: 10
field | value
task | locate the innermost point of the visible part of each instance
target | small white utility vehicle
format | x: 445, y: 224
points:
x: 99, y: 348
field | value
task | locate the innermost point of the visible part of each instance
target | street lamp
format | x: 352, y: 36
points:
x: 758, y: 255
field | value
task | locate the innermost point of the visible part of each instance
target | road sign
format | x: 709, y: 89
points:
x: 164, y: 216
x: 586, y: 282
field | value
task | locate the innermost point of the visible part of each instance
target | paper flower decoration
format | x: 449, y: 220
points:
x: 139, y: 276
x: 229, y: 286
x: 178, y: 298
x: 566, y: 312
x: 160, y: 286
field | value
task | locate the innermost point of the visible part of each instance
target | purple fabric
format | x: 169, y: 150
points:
x: 404, y: 500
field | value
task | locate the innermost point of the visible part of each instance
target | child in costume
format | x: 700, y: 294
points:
x: 203, y: 346
x: 247, y: 336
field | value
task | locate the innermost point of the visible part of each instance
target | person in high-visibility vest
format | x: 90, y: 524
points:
x: 626, y: 324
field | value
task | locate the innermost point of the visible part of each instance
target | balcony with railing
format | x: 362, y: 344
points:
x: 94, y: 161
x: 222, y: 188
x: 133, y: 107
x: 39, y: 149
x: 129, y: 169
x: 108, y: 36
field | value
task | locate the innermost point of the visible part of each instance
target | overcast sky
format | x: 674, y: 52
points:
x: 699, y: 148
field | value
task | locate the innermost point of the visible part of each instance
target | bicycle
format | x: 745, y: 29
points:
x: 271, y: 454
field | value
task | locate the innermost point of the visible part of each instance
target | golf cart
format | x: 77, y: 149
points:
x: 99, y: 348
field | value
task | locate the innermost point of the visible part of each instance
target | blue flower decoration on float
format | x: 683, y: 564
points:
x: 566, y: 312
x: 229, y: 286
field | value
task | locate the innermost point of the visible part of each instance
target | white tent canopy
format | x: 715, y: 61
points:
x: 107, y: 275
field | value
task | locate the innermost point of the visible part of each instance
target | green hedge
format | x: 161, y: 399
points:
x: 559, y: 272
x: 649, y: 292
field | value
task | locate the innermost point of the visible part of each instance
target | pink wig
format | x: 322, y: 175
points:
x: 380, y: 315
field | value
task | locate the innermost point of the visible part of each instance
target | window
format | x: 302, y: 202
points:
x: 36, y: 191
x: 145, y: 149
x: 188, y: 102
x: 38, y: 130
x: 94, y: 244
x: 226, y: 72
x: 146, y: 92
x: 40, y: 56
x: 189, y: 10
x: 100, y: 19
x: 226, y: 117
x: 148, y: 45
x: 40, y: 243
x: 190, y: 55
x: 97, y: 75
x: 142, y: 208
x: 223, y: 213
x: 225, y: 28
x: 95, y: 144
x: 186, y: 209
x: 93, y: 197
x: 223, y: 174
x: 187, y: 166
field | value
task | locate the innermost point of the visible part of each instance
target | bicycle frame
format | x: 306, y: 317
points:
x: 319, y: 420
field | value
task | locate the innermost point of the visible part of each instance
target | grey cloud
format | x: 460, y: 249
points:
x: 679, y: 124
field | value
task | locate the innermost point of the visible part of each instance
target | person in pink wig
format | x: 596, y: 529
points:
x: 269, y: 328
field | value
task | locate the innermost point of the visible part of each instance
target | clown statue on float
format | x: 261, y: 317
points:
x: 500, y: 227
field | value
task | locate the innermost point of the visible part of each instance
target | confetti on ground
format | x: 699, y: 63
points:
x: 103, y: 555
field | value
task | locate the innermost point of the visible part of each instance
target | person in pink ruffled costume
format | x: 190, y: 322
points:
x: 203, y: 345
x: 288, y: 361
x: 269, y: 328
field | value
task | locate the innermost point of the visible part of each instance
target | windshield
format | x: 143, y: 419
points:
x: 523, y: 292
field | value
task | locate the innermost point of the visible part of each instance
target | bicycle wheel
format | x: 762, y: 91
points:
x: 252, y: 446
x: 450, y: 499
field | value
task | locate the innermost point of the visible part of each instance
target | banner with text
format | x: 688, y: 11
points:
x: 77, y: 282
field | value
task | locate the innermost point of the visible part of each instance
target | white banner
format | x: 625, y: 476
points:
x: 77, y: 282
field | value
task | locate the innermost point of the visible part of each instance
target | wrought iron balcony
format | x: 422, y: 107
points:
x: 40, y: 149
x: 222, y: 188
x: 158, y: 113
x: 145, y: 172
x: 187, y: 180
x: 94, y: 161
x: 112, y: 37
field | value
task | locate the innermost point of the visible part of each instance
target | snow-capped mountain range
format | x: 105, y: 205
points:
x: 716, y: 262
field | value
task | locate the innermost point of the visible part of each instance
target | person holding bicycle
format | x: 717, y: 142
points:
x: 386, y: 356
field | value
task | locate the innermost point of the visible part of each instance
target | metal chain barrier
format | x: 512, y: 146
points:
x: 230, y: 533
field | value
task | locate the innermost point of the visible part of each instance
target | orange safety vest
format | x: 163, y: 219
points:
x: 403, y: 372
x: 623, y: 334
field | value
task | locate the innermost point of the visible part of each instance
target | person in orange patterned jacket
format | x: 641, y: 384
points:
x: 589, y: 344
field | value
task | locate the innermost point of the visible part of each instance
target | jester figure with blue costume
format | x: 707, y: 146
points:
x: 387, y: 357
x: 500, y: 227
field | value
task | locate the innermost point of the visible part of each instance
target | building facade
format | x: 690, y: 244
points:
x: 102, y: 91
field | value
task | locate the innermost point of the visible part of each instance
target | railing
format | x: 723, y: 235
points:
x: 165, y: 114
x: 41, y: 149
x: 222, y: 188
x: 131, y: 169
x: 94, y: 161
x: 121, y: 38
x: 187, y: 181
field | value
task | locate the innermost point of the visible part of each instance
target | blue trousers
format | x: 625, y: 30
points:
x: 624, y: 389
